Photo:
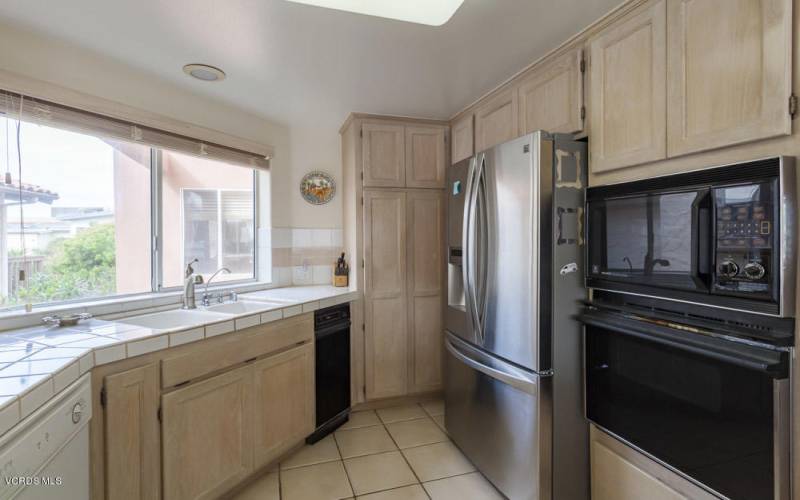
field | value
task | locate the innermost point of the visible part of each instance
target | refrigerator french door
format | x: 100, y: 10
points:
x: 514, y: 246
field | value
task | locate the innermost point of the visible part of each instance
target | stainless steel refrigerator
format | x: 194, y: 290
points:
x: 513, y: 383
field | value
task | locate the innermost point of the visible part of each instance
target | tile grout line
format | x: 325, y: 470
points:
x: 404, y: 455
x: 341, y: 459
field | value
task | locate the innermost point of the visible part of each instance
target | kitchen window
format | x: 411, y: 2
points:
x: 88, y: 216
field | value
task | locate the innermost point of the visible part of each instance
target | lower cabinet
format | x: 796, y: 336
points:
x: 132, y: 435
x: 621, y: 473
x: 284, y: 402
x: 208, y: 436
x: 201, y: 438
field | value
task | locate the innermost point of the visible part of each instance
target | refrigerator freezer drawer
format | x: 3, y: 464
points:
x: 499, y: 416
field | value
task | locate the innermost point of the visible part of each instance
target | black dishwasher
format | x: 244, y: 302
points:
x: 332, y: 362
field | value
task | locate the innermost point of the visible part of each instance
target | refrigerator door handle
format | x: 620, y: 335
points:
x: 509, y: 376
x: 465, y: 243
x: 482, y: 228
x: 470, y: 216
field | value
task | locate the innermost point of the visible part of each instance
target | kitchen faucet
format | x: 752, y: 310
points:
x: 190, y: 279
x: 206, y: 297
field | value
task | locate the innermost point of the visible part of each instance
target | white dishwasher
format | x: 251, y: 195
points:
x: 46, y: 456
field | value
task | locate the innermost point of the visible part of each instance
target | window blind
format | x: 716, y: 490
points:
x: 33, y: 110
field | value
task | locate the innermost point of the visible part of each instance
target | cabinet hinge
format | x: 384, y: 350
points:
x: 362, y: 176
x: 103, y: 397
x: 362, y: 264
x: 793, y: 106
x: 159, y: 414
x: 363, y: 327
x: 361, y: 133
x: 362, y: 200
x: 583, y: 112
x: 583, y: 65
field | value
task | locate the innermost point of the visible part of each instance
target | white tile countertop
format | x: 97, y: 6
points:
x: 36, y: 363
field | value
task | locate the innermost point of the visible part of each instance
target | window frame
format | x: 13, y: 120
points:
x: 156, y: 238
x: 157, y: 230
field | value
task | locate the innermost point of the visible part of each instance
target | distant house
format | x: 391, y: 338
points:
x: 12, y: 195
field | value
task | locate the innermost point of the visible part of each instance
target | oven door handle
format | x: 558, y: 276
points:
x: 773, y: 363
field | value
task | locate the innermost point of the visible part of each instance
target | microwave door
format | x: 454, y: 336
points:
x: 654, y: 240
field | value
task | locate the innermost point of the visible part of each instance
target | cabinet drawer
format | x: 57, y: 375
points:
x: 253, y: 342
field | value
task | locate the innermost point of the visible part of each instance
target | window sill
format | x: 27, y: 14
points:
x: 19, y: 318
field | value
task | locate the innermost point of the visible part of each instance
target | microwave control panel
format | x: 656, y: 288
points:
x: 744, y: 222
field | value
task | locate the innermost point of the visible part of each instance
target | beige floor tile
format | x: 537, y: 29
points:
x: 361, y: 419
x: 439, y: 419
x: 378, y: 472
x: 400, y: 413
x: 416, y: 432
x: 434, y: 408
x: 264, y: 488
x: 324, y: 450
x: 473, y: 486
x: 413, y: 492
x: 326, y: 481
x: 364, y: 441
x: 437, y: 461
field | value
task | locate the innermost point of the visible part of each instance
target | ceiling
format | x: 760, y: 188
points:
x: 305, y: 65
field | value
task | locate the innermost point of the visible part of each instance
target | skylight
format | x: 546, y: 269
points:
x: 430, y: 12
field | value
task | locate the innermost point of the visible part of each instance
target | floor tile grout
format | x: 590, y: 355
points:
x: 385, y: 426
x: 406, y: 460
x: 341, y: 458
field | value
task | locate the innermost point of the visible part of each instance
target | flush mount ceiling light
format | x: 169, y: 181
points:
x: 430, y: 12
x: 204, y: 72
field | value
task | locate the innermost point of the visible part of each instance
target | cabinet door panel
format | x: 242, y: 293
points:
x: 425, y: 288
x: 208, y: 436
x: 550, y: 98
x: 383, y: 155
x: 461, y: 139
x: 386, y: 335
x: 729, y: 72
x: 284, y: 402
x: 425, y: 157
x: 133, y: 465
x: 496, y: 121
x: 628, y: 92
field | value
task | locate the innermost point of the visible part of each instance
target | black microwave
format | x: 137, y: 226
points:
x: 721, y: 237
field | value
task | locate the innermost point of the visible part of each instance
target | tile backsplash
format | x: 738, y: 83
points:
x: 304, y: 256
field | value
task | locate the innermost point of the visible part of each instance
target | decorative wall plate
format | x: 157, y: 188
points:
x: 317, y: 188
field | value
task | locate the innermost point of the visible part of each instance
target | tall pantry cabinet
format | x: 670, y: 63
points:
x: 394, y: 210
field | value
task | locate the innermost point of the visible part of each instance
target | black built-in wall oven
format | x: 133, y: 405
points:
x: 689, y: 332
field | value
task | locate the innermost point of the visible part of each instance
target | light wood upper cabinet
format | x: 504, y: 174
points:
x: 383, y: 154
x: 425, y: 288
x: 496, y: 120
x: 385, y: 313
x: 729, y: 72
x: 284, y: 402
x: 425, y: 156
x: 207, y: 433
x: 551, y: 96
x: 627, y: 85
x: 132, y: 435
x: 461, y: 139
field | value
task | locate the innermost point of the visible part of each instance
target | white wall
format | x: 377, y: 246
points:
x: 297, y: 150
